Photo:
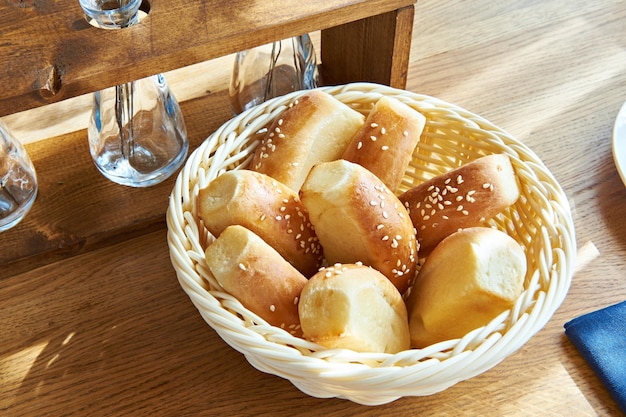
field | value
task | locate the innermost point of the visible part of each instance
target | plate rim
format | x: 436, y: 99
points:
x: 619, y: 142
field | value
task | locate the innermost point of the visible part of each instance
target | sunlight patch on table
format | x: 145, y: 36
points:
x: 14, y: 368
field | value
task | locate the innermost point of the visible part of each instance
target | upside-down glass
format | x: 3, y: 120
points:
x: 137, y: 134
x: 18, y: 182
x: 272, y: 70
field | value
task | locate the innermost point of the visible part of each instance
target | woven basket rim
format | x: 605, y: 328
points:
x: 376, y: 378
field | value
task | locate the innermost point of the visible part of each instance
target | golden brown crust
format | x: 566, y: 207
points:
x: 266, y: 207
x: 315, y: 128
x: 468, y: 279
x: 354, y: 307
x: 258, y: 276
x: 463, y: 197
x: 357, y: 218
x: 386, y: 141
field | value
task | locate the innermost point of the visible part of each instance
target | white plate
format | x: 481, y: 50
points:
x: 619, y: 143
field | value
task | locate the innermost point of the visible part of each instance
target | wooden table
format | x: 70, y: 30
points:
x: 93, y: 321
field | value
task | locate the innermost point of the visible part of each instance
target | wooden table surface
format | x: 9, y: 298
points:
x: 102, y: 327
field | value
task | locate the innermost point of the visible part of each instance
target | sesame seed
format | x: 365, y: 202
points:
x: 359, y: 145
x: 405, y: 133
x: 272, y: 308
x: 385, y: 238
x: 374, y: 125
x: 373, y: 138
x: 280, y: 122
x: 295, y: 300
x: 283, y: 209
x: 277, y: 130
x: 279, y: 218
x: 380, y: 226
x: 465, y: 212
x: 242, y: 267
x: 262, y: 217
x: 383, y: 130
x: 373, y: 203
x: 281, y: 135
x: 486, y: 185
x: 459, y: 179
x: 384, y: 148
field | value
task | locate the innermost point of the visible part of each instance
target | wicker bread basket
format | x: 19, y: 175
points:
x: 540, y: 221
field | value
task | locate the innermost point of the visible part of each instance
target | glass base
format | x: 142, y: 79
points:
x: 12, y: 218
x: 121, y: 172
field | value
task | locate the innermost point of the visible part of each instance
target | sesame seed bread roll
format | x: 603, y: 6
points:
x: 315, y: 128
x: 468, y: 279
x: 357, y: 218
x: 386, y: 141
x: 463, y: 197
x: 354, y: 307
x: 258, y: 276
x: 266, y: 207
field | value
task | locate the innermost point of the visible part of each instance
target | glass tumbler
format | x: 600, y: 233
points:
x: 272, y: 70
x: 18, y: 182
x: 137, y: 134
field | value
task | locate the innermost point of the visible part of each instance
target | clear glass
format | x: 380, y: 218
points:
x: 137, y: 133
x: 18, y: 181
x: 272, y: 70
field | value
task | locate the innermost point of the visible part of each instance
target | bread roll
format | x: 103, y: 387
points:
x: 354, y: 307
x: 463, y: 197
x: 253, y: 272
x: 468, y: 279
x: 357, y: 218
x: 385, y: 143
x: 315, y: 128
x: 266, y: 207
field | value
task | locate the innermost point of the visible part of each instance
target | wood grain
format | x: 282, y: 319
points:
x: 108, y: 330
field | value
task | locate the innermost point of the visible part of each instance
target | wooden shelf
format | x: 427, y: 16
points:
x: 50, y: 53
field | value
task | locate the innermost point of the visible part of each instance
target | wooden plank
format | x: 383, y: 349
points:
x: 50, y: 53
x: 373, y: 49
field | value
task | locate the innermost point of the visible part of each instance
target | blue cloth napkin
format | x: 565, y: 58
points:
x: 600, y: 337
